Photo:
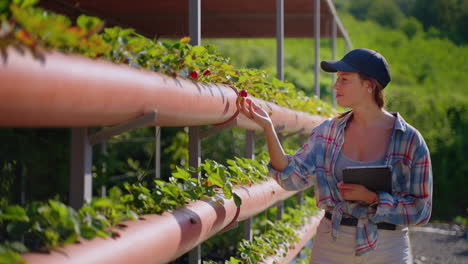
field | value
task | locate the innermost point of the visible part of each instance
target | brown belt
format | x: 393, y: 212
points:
x: 353, y: 222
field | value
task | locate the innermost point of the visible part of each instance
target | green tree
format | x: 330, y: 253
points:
x: 411, y: 27
x: 360, y: 8
x: 386, y: 13
x: 462, y: 22
x: 406, y: 6
x: 441, y: 14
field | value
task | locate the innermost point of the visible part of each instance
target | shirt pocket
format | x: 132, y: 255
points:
x: 401, y: 175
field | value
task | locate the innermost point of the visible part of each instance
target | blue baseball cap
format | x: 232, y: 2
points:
x: 366, y: 61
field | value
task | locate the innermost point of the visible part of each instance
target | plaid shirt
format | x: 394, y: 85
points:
x: 410, y: 202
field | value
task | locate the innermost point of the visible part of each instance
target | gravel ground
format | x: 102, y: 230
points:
x: 439, y: 243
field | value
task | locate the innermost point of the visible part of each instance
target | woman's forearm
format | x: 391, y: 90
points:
x: 278, y: 158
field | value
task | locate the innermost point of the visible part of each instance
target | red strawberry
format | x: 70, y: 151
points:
x: 206, y: 73
x: 243, y: 93
x: 207, y: 183
x: 194, y: 75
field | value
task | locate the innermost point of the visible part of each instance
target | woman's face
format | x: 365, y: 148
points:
x: 350, y: 89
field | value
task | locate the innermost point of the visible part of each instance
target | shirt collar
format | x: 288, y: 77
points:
x: 400, y: 123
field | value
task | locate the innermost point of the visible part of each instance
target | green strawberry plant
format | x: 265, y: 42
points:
x: 22, y: 24
x: 280, y: 235
x: 45, y: 225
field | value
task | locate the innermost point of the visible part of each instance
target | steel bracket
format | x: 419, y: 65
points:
x: 81, y: 161
x: 108, y: 133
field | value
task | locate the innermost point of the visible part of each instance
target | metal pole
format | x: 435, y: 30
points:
x: 317, y: 46
x: 280, y: 210
x: 280, y: 39
x: 23, y: 183
x: 194, y: 132
x: 80, y: 168
x: 104, y: 167
x: 300, y: 198
x: 195, y: 22
x: 250, y: 154
x: 157, y: 152
x: 195, y: 161
x: 333, y: 46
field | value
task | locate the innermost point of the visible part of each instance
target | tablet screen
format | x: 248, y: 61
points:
x: 374, y: 178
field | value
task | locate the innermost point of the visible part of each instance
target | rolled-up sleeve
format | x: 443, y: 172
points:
x: 300, y: 170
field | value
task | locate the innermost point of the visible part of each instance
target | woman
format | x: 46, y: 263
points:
x: 360, y: 226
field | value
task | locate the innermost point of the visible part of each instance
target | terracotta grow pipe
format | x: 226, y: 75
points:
x: 162, y: 238
x: 306, y: 233
x: 75, y: 91
x: 257, y: 198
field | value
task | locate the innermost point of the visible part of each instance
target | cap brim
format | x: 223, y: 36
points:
x: 334, y: 66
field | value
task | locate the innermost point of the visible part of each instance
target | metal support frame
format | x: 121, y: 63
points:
x: 195, y: 137
x: 250, y: 138
x: 317, y: 46
x: 280, y: 210
x: 212, y: 131
x: 80, y: 168
x: 195, y: 22
x: 250, y: 154
x: 195, y: 162
x: 280, y: 39
x: 157, y: 152
x: 194, y: 9
x: 82, y: 155
x: 104, y: 166
x: 110, y: 132
x: 300, y: 197
x: 194, y: 132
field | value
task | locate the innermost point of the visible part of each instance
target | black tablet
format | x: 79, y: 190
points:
x: 374, y: 178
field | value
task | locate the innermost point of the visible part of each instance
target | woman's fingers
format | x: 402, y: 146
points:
x: 243, y: 108
x: 348, y: 186
x: 251, y: 111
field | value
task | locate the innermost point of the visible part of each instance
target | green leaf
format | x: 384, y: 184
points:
x: 14, y: 213
x: 9, y: 256
x: 4, y: 5
x: 132, y: 215
x: 199, y: 50
x: 88, y: 22
x: 115, y: 193
x: 181, y: 174
x: 25, y: 3
x: 232, y: 78
x: 227, y: 190
x: 72, y: 238
x: 216, y: 179
x: 17, y: 246
x: 102, y: 203
x: 234, y: 260
x: 237, y: 200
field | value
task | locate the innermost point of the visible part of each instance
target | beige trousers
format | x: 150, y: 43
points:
x: 393, y: 246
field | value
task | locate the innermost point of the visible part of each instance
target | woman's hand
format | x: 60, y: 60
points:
x: 252, y: 111
x: 357, y: 192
